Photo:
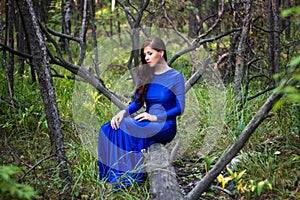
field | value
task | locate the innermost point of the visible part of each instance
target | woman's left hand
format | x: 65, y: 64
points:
x: 146, y: 116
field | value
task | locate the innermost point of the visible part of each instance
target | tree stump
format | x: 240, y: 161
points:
x: 163, y: 182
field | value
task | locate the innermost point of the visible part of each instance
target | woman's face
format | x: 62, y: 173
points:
x: 152, y: 56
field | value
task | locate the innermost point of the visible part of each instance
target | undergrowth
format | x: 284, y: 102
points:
x: 271, y: 156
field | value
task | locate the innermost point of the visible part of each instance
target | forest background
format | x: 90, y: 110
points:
x: 249, y: 48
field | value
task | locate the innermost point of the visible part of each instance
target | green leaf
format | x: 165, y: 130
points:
x: 241, y: 174
x: 294, y: 97
x: 290, y: 11
x: 296, y: 76
x: 290, y: 89
x: 5, y: 177
x: 260, y: 187
x: 270, y: 186
x: 278, y: 104
x: 230, y: 171
x: 295, y: 61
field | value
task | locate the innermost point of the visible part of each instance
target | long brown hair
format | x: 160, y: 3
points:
x: 145, y: 72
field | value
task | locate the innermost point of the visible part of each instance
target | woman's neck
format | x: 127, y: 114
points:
x: 161, y: 68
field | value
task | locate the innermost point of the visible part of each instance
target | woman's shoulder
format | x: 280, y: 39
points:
x: 171, y: 74
x: 174, y: 72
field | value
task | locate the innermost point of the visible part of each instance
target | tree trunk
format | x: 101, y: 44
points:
x: 91, y: 4
x: 273, y: 38
x: 271, y: 64
x: 232, y: 54
x: 66, y: 25
x: 194, y: 20
x: 287, y: 20
x: 42, y: 66
x: 277, y: 33
x: 83, y: 34
x: 163, y: 182
x: 9, y: 36
x: 240, y: 59
x: 20, y: 43
x: 11, y: 43
x: 261, y: 114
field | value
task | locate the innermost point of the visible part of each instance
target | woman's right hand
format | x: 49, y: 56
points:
x: 116, y: 120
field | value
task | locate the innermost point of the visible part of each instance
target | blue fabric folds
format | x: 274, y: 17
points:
x: 120, y: 159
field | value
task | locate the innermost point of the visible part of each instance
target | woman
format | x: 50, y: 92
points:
x: 161, y: 89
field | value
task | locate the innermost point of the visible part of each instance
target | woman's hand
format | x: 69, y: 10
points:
x: 116, y: 120
x: 146, y: 116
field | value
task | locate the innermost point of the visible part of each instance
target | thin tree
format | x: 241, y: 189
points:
x: 40, y: 60
x: 240, y: 58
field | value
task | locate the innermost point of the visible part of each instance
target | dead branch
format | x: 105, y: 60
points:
x: 197, y: 75
x: 172, y: 24
x: 18, y: 53
x: 64, y: 36
x: 261, y: 93
x: 197, y: 44
x: 35, y: 165
x: 262, y: 113
x: 221, y: 12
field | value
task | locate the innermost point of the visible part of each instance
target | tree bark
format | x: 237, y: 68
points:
x: 20, y: 43
x: 273, y: 38
x: 42, y: 66
x: 66, y: 25
x: 163, y: 182
x: 270, y: 38
x: 194, y: 20
x: 277, y: 34
x: 287, y: 20
x: 206, y: 181
x: 240, y: 59
x: 91, y: 4
x: 232, y: 52
x: 9, y: 36
x: 83, y: 34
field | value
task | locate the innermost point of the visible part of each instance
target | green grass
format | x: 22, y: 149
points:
x: 272, y: 153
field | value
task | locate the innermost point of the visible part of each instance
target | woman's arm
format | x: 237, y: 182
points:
x: 133, y: 106
x: 179, y: 92
x: 130, y: 109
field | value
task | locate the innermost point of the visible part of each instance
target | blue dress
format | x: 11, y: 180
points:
x: 120, y: 159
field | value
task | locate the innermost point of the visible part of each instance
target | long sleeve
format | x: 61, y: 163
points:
x: 179, y: 92
x: 133, y: 106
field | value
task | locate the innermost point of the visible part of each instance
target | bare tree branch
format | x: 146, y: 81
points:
x: 35, y: 165
x: 128, y: 14
x: 261, y: 114
x: 172, y: 24
x: 221, y: 12
x: 196, y: 44
x: 261, y: 93
x: 65, y: 36
x: 21, y: 54
x: 197, y: 75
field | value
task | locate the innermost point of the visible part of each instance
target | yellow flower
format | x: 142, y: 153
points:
x: 223, y: 180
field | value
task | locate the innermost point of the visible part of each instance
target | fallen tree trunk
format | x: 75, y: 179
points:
x: 163, y: 182
x: 259, y: 117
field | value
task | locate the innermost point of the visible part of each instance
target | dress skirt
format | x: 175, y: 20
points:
x: 120, y: 157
